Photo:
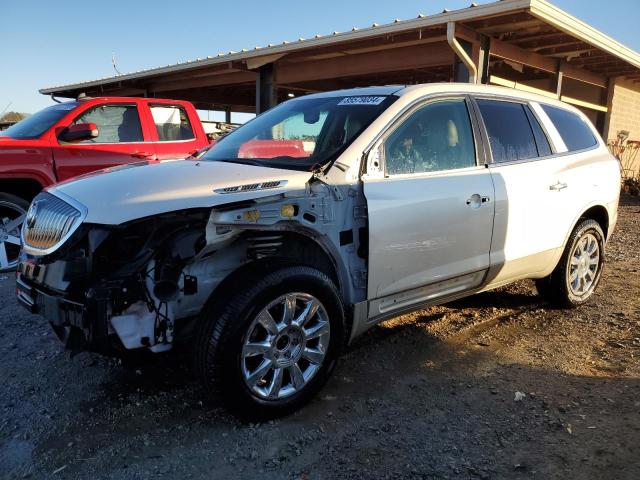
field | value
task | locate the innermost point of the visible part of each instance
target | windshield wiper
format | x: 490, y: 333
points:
x: 243, y: 161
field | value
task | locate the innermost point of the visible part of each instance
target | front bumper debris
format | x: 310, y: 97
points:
x: 79, y: 326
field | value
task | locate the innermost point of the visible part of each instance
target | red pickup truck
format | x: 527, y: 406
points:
x: 72, y: 138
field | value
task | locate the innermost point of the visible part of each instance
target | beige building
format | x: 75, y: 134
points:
x: 525, y: 44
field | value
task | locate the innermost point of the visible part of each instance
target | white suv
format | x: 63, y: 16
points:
x: 313, y: 222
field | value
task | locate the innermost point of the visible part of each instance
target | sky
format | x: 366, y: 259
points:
x: 47, y: 43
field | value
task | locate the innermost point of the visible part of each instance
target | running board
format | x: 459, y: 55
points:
x: 383, y: 307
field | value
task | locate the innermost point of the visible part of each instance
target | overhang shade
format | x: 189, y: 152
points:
x: 523, y: 43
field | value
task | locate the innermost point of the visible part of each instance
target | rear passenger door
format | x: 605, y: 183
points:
x: 531, y: 207
x: 585, y: 181
x: 173, y: 131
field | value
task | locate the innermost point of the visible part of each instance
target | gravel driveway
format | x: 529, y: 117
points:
x: 494, y: 386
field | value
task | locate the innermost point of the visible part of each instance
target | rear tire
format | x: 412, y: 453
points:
x: 577, y: 275
x: 11, y: 208
x: 261, y: 364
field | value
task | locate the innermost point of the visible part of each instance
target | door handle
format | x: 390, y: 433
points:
x: 558, y: 186
x: 142, y: 154
x: 476, y: 200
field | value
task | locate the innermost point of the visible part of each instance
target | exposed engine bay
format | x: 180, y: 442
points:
x: 142, y: 284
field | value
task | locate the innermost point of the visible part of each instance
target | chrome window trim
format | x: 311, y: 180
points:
x: 110, y: 104
x: 489, y: 96
x: 175, y: 141
x: 437, y: 173
x: 404, y: 109
x: 79, y: 221
x: 150, y: 105
x: 546, y: 157
x: 408, y: 110
x: 507, y: 99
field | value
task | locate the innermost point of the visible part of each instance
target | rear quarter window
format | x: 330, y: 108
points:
x: 575, y: 133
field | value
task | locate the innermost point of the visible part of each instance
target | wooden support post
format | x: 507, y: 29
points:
x: 266, y: 89
x: 483, y: 60
x: 227, y: 114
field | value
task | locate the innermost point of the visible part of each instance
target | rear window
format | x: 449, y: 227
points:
x: 575, y: 133
x: 172, y: 123
x: 510, y: 134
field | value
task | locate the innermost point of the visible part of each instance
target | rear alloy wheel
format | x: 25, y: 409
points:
x: 584, y: 265
x: 12, y: 213
x: 576, y: 277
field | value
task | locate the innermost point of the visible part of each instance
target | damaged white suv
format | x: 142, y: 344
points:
x: 316, y: 220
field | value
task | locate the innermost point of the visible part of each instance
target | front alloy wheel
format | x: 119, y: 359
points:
x: 268, y: 343
x: 285, y: 346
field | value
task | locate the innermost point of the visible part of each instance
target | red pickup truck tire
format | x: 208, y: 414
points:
x: 13, y: 209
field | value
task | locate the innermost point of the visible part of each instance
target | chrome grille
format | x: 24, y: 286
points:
x: 48, y: 223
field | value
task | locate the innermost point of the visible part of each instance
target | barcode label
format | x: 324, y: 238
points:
x: 362, y: 101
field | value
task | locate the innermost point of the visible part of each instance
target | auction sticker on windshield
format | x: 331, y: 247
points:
x: 362, y: 100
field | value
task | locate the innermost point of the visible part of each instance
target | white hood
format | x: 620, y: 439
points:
x: 137, y: 191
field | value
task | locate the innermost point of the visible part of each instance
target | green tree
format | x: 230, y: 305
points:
x: 13, y: 117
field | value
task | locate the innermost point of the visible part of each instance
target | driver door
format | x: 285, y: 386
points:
x: 121, y: 140
x: 430, y: 209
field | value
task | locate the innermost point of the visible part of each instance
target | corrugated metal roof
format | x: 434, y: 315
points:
x: 539, y: 8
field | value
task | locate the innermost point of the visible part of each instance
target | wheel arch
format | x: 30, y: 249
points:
x: 23, y: 187
x: 600, y: 214
x: 298, y: 246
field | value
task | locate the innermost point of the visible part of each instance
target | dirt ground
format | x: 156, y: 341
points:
x: 495, y: 386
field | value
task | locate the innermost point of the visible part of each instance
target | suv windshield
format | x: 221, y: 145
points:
x: 38, y: 123
x: 301, y: 134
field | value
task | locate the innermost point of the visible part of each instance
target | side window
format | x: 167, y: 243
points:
x: 172, y: 123
x: 116, y: 123
x: 574, y: 131
x: 510, y: 133
x: 436, y: 137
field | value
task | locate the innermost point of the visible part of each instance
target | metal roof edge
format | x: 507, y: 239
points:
x: 566, y: 22
x: 472, y: 12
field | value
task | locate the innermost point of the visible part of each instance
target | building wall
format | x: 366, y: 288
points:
x: 624, y: 106
x: 624, y: 114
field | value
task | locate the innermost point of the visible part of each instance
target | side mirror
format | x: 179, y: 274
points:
x: 79, y: 131
x: 311, y: 117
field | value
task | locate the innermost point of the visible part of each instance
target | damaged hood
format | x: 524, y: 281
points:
x: 141, y: 190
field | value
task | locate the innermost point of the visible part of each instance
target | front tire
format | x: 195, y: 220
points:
x: 271, y: 347
x: 577, y: 275
x: 12, y: 212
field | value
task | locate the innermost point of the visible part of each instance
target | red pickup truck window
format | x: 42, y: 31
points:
x: 172, y: 123
x: 116, y: 123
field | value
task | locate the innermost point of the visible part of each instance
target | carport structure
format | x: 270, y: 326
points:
x: 526, y: 44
